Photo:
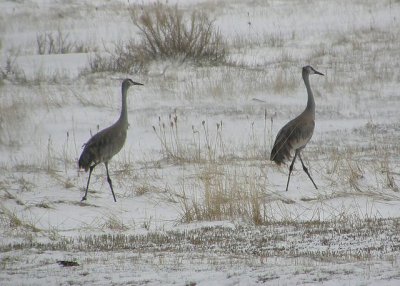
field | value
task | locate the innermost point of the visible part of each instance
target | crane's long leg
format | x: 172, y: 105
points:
x: 291, y: 169
x: 110, y: 182
x: 306, y: 170
x: 87, y: 185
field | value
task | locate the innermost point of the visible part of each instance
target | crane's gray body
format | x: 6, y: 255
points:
x: 295, y: 135
x: 103, y: 145
x: 108, y: 142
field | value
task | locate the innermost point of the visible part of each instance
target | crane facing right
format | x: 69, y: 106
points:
x: 108, y: 142
x: 295, y: 135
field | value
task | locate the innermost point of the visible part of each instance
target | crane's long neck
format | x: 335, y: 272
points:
x: 124, y: 113
x: 310, y: 101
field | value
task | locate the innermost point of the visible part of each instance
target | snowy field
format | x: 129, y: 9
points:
x: 198, y: 200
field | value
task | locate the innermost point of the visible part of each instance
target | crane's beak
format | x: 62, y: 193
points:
x: 137, y: 83
x: 317, y: 72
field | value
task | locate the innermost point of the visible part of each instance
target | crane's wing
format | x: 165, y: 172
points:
x: 102, y: 146
x: 294, y: 135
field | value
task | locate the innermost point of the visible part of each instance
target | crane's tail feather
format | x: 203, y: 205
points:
x: 85, y: 160
x: 280, y: 152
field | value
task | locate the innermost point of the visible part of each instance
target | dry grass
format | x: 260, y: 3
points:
x: 12, y: 72
x: 353, y: 58
x: 166, y: 33
x: 223, y: 188
x: 114, y: 223
x: 227, y: 193
x: 235, y: 187
x: 228, y: 188
x: 370, y: 239
x: 250, y: 41
x: 220, y: 186
x: 285, y: 81
x: 58, y: 43
x: 12, y: 222
x: 354, y: 172
x: 205, y: 145
x: 124, y: 58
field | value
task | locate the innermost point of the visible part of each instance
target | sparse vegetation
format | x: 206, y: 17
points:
x: 12, y: 71
x: 284, y: 81
x: 291, y: 239
x: 271, y: 40
x: 166, y: 33
x: 204, y: 145
x: 227, y: 193
x: 197, y: 188
x: 58, y: 43
x: 13, y: 222
x: 114, y: 223
x: 124, y: 58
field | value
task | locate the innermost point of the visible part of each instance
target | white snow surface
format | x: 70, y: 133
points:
x: 345, y: 233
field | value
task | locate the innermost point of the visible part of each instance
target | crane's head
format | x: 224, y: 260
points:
x: 310, y: 70
x: 128, y: 83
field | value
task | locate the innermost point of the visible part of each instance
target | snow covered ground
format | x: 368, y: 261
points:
x: 199, y: 203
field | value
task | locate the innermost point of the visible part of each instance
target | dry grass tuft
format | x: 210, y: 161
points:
x: 115, y: 224
x: 58, y: 43
x: 166, y: 33
x: 13, y: 222
x: 204, y: 145
x: 227, y: 193
x: 124, y: 58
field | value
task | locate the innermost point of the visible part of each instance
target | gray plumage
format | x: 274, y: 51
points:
x: 295, y: 135
x: 108, y: 142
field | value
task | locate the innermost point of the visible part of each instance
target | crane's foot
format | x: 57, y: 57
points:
x: 83, y: 198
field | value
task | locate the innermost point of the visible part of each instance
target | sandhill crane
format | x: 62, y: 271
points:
x: 295, y: 135
x: 108, y: 142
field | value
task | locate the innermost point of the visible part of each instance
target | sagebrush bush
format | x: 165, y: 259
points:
x: 123, y: 58
x: 167, y: 33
